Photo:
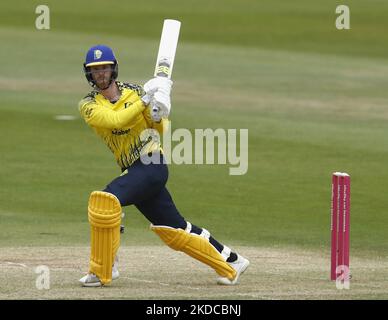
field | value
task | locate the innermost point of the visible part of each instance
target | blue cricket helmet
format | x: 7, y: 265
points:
x: 100, y: 55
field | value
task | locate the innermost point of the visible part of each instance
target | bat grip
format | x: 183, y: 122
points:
x: 163, y: 75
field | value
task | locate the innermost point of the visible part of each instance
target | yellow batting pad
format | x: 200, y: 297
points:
x: 104, y: 212
x: 197, y: 247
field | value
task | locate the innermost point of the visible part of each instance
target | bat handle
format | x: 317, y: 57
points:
x: 161, y: 75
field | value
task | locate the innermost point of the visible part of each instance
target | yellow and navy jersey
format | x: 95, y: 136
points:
x: 122, y: 124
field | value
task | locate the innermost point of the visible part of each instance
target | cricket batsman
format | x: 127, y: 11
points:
x: 119, y: 113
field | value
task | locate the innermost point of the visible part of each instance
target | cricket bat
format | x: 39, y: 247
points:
x: 167, y: 49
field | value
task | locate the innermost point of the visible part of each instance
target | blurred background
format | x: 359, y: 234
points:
x: 313, y: 98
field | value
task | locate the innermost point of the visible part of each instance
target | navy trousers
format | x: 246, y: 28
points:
x: 144, y: 185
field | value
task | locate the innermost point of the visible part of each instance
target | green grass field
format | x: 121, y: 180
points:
x: 313, y: 98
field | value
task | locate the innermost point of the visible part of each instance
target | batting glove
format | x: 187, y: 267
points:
x: 158, y: 83
x: 160, y: 106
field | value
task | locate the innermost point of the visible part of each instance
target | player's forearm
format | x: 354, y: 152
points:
x: 105, y: 118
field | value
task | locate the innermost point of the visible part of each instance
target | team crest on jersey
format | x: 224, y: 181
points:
x: 97, y: 54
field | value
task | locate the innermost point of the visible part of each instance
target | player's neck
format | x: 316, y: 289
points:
x: 112, y: 93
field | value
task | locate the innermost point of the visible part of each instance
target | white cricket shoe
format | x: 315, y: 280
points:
x: 91, y: 280
x: 240, y: 265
